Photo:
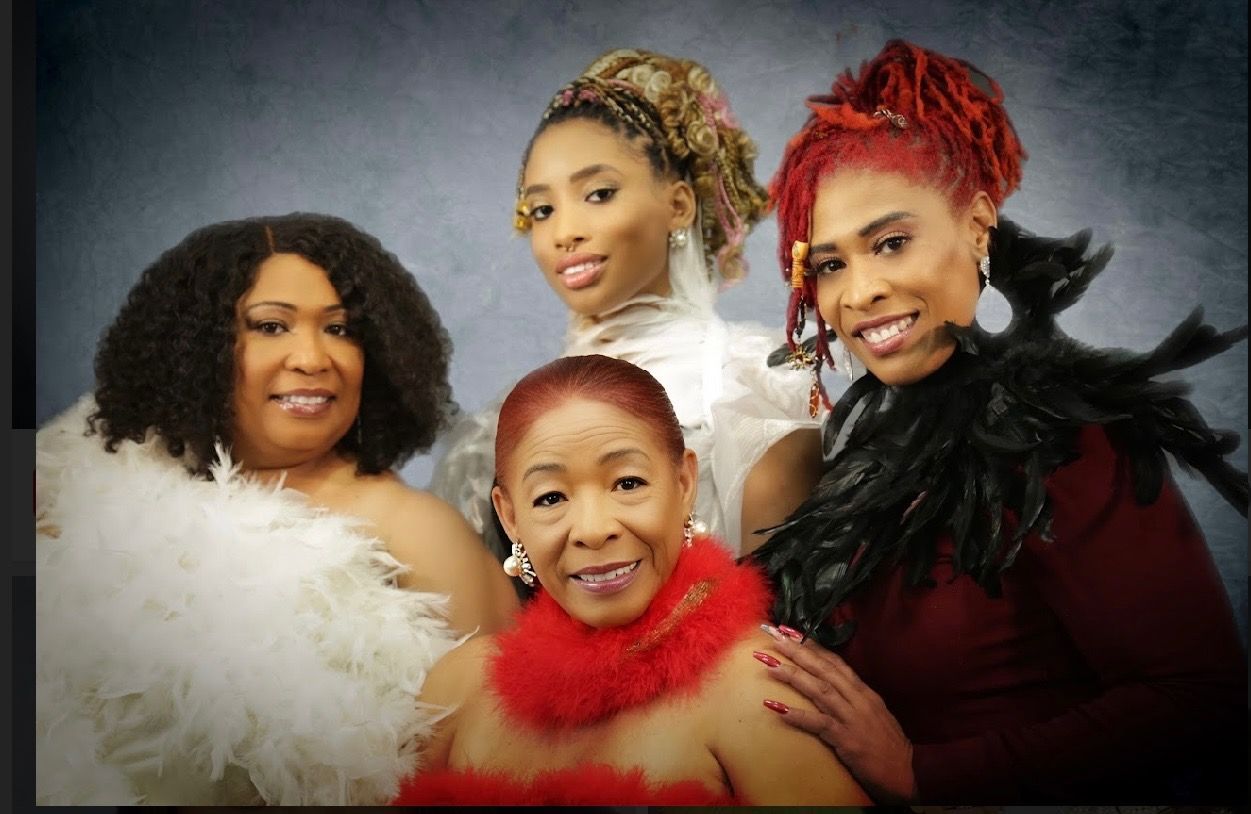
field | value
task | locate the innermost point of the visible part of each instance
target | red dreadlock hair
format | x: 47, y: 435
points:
x: 911, y: 111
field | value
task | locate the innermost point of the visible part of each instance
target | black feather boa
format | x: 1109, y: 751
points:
x: 975, y: 440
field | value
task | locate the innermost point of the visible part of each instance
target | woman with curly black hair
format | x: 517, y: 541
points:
x: 221, y: 535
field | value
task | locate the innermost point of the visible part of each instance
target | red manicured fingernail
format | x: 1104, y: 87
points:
x: 792, y: 632
x: 777, y: 706
x: 766, y: 659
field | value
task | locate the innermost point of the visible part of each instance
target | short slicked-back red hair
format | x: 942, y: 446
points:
x: 935, y: 119
x: 594, y: 378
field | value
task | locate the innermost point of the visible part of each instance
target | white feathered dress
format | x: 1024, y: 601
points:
x: 215, y: 641
x: 732, y: 406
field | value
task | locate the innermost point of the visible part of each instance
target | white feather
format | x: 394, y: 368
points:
x: 202, y: 642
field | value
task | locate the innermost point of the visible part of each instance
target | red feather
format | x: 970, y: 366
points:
x: 584, y: 785
x: 552, y: 671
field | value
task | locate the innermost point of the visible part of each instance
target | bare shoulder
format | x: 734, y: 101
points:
x: 445, y: 555
x: 403, y: 506
x: 739, y: 683
x: 419, y: 528
x: 460, y: 674
x: 455, y: 684
x: 768, y: 761
x: 779, y: 481
x: 383, y: 499
x: 748, y: 682
x: 739, y: 674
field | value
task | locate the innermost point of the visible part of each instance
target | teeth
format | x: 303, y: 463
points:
x: 304, y: 399
x: 581, y: 267
x: 613, y: 574
x: 883, y: 332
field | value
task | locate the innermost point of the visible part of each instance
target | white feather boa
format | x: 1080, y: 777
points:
x: 202, y: 642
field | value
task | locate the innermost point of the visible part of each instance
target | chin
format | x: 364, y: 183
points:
x: 610, y: 618
x: 608, y: 613
x: 304, y: 447
x: 589, y: 304
x: 321, y: 442
x: 909, y: 366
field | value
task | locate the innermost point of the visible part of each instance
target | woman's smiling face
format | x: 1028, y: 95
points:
x: 894, y: 262
x: 599, y: 504
x: 298, y: 368
x: 600, y: 216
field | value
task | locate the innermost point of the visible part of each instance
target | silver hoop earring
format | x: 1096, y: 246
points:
x: 678, y: 238
x: 847, y: 365
x: 518, y: 565
x: 983, y: 266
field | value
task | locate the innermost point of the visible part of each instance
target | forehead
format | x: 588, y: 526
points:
x: 293, y: 279
x: 568, y: 146
x: 580, y: 431
x: 848, y: 199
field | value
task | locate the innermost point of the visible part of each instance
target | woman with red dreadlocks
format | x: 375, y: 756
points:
x: 1017, y: 601
x: 636, y: 192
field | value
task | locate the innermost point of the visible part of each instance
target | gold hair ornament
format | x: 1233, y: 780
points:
x: 521, y: 217
x: 896, y: 119
x: 799, y: 254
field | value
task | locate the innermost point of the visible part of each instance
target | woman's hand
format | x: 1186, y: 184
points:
x: 852, y: 720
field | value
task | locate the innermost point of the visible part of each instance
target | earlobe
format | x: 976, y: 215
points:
x: 506, y: 511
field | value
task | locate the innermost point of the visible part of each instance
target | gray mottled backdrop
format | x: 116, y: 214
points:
x: 408, y: 118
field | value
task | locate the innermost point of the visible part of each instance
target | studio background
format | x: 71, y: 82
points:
x: 409, y: 118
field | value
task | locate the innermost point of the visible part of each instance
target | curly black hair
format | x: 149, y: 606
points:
x: 167, y: 363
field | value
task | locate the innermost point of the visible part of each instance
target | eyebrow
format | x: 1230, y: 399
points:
x: 868, y: 228
x: 621, y: 453
x: 607, y: 457
x: 584, y: 173
x: 542, y: 468
x: 289, y: 307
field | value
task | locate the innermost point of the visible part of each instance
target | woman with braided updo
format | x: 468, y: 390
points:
x: 1019, y: 604
x: 635, y: 187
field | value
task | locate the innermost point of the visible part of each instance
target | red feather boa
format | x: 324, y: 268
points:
x: 589, y: 785
x: 552, y: 671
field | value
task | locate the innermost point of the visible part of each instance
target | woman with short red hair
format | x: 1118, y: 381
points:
x: 615, y: 685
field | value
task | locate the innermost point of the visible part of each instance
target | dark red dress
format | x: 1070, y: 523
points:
x: 1112, y: 651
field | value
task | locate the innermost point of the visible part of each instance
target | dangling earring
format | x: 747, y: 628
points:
x: 983, y: 266
x: 688, y: 531
x: 814, y: 392
x: 518, y: 565
x: 677, y: 239
x: 360, y: 433
x: 847, y: 364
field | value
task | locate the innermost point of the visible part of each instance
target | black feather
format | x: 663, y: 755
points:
x: 975, y: 442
